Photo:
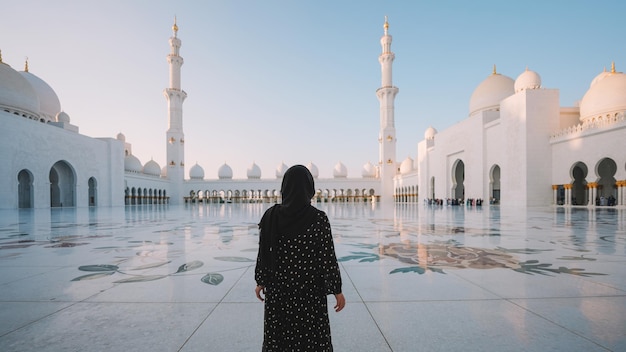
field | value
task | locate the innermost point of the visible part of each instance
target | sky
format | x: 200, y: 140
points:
x: 294, y: 82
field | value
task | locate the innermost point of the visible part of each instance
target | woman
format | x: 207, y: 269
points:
x: 296, y: 269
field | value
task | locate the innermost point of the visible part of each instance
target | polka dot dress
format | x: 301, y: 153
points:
x: 296, y: 313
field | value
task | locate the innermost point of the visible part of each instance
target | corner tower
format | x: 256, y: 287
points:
x: 387, y: 137
x: 175, y: 138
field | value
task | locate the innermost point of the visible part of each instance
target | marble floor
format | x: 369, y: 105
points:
x: 416, y: 278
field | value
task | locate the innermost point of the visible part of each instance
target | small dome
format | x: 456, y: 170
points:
x: 406, y: 166
x: 490, y: 92
x: 527, y: 80
x: 254, y: 171
x: 49, y: 105
x: 313, y: 169
x: 62, y: 116
x: 196, y: 172
x: 121, y: 137
x: 340, y: 171
x: 605, y: 96
x: 225, y: 172
x: 132, y: 164
x: 16, y: 92
x: 164, y: 171
x: 369, y: 171
x: 152, y: 168
x: 430, y: 133
x: 280, y: 170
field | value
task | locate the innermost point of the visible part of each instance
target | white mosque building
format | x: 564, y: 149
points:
x: 517, y: 146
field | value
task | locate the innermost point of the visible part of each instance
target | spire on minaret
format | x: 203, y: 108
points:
x: 613, y: 67
x: 386, y: 25
x: 26, y: 65
x: 175, y: 27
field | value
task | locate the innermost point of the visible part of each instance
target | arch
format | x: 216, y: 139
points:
x: 578, y: 173
x: 494, y: 183
x: 458, y: 177
x: 62, y: 185
x: 25, y: 189
x: 93, y: 191
x: 606, y: 184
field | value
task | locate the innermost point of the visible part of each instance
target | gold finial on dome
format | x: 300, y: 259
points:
x: 613, y: 67
x: 494, y: 70
x: 175, y: 27
x: 26, y: 65
x: 386, y: 25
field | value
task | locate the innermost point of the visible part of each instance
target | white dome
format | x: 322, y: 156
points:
x: 225, y: 172
x: 489, y: 93
x: 527, y: 80
x: 406, y: 166
x: 16, y: 92
x: 280, y: 170
x: 164, y: 171
x: 132, y: 164
x: 254, y: 171
x: 369, y: 171
x: 313, y: 169
x: 121, y: 137
x: 196, y: 172
x: 605, y: 96
x: 49, y: 105
x: 340, y: 171
x: 430, y: 133
x: 62, y: 116
x: 152, y: 168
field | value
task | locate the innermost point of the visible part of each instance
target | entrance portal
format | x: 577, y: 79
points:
x: 93, y: 191
x: 25, y: 189
x: 495, y: 184
x: 62, y: 185
x: 458, y: 176
x: 579, y: 185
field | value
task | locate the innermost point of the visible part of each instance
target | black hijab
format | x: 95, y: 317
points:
x: 294, y: 216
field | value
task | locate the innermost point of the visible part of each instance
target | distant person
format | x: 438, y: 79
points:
x: 296, y: 269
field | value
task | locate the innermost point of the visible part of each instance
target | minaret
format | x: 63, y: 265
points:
x: 175, y: 137
x: 387, y: 138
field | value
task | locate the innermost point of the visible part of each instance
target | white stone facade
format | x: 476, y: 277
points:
x: 519, y: 147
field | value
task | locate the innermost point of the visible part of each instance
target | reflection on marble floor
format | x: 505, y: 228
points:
x: 553, y: 277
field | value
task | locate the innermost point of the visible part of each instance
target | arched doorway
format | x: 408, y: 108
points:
x: 62, y: 185
x: 458, y: 177
x: 494, y: 183
x: 579, y: 183
x: 607, y: 192
x: 25, y: 189
x: 93, y: 191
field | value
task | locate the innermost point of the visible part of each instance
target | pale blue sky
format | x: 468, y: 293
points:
x: 295, y: 81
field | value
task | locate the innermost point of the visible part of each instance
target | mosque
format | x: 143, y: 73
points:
x: 517, y: 146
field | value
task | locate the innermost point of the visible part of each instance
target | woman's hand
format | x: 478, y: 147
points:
x: 258, y: 291
x: 341, y: 302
